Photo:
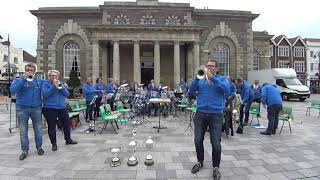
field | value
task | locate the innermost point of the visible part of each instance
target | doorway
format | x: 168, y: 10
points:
x: 146, y: 75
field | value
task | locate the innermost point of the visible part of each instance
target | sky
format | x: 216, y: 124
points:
x: 292, y: 18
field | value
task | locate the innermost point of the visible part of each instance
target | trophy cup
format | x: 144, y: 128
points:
x: 149, y: 159
x: 132, y: 161
x: 115, y: 160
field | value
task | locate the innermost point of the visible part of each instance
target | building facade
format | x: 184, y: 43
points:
x: 313, y: 59
x: 289, y: 53
x: 147, y: 39
x: 16, y: 61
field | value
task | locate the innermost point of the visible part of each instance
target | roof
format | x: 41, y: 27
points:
x: 312, y: 39
x: 12, y: 66
x: 280, y: 38
x: 28, y: 57
x: 296, y: 39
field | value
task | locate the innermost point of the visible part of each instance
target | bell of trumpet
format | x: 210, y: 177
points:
x: 201, y: 72
x: 28, y: 76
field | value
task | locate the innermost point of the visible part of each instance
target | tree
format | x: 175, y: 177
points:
x: 73, y: 82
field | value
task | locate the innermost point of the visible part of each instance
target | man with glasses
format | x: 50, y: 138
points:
x: 28, y: 105
x: 210, y: 94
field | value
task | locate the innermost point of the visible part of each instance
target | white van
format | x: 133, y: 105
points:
x: 286, y: 80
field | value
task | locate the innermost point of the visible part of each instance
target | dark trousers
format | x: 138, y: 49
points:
x: 273, y: 114
x: 201, y: 122
x: 98, y: 104
x: 51, y: 116
x: 89, y: 110
x: 245, y: 108
x: 154, y: 106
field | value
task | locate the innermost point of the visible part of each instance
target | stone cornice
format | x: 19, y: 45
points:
x: 65, y: 10
x: 225, y: 13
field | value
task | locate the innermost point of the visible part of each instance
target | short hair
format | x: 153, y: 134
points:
x: 53, y: 71
x: 110, y: 80
x: 97, y: 80
x: 215, y: 62
x: 239, y: 79
x: 30, y: 65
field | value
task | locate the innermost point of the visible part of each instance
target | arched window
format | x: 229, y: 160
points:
x: 256, y: 60
x: 71, y: 58
x: 221, y: 54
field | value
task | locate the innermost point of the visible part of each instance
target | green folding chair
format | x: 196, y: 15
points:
x: 106, y: 118
x: 123, y: 111
x: 315, y: 104
x: 255, y: 111
x: 286, y: 115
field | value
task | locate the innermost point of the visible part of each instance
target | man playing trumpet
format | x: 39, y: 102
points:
x: 54, y: 106
x: 210, y: 90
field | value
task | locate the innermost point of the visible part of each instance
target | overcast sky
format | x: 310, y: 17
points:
x: 292, y: 18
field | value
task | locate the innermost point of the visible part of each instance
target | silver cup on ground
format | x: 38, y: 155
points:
x: 133, y: 160
x: 149, y: 159
x: 115, y: 160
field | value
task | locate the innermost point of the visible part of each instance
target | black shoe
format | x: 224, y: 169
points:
x: 197, y: 167
x: 273, y: 132
x: 245, y: 124
x: 54, y: 147
x: 87, y: 121
x: 239, y: 130
x: 23, y: 155
x: 216, y: 174
x: 40, y: 151
x: 70, y: 141
x: 265, y: 133
x: 259, y: 116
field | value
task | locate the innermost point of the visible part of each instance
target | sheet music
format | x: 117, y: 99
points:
x: 239, y: 99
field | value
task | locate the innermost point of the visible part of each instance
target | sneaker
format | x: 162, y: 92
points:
x: 216, y: 174
x: 197, y: 167
x: 54, y: 147
x: 40, y: 151
x: 23, y: 155
x: 70, y: 141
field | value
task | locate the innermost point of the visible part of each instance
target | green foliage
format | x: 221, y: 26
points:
x: 74, y: 80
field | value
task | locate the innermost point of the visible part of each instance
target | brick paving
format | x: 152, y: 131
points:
x: 248, y: 156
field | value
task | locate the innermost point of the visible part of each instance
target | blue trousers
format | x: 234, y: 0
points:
x: 273, y: 114
x: 201, y: 122
x: 23, y: 115
x: 245, y: 108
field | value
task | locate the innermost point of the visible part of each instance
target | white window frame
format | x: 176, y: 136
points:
x: 221, y: 53
x: 271, y: 50
x: 311, y: 53
x: 5, y: 58
x: 283, y: 51
x: 15, y: 60
x: 283, y: 64
x: 71, y: 50
x: 299, y: 66
x: 298, y: 51
x: 256, y: 61
x: 312, y: 66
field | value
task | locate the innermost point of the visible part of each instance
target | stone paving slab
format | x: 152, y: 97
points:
x: 248, y: 156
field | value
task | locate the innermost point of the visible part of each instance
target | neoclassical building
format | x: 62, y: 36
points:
x: 138, y: 41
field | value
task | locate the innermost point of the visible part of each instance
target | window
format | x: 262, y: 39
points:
x: 15, y: 60
x: 71, y: 58
x: 5, y: 58
x: 298, y: 51
x: 283, y: 51
x: 221, y: 54
x: 280, y: 82
x: 283, y: 64
x: 271, y: 50
x: 311, y: 66
x: 311, y: 53
x: 256, y: 59
x: 299, y: 67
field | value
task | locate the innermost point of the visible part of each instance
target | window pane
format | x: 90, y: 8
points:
x: 221, y: 54
x: 71, y: 58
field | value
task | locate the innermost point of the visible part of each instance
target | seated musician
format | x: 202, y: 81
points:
x: 152, y: 94
x: 165, y: 94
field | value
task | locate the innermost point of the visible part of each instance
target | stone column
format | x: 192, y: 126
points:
x: 95, y: 60
x: 196, y: 58
x: 157, y: 62
x: 104, y: 62
x: 191, y: 67
x: 116, y: 61
x: 136, y: 62
x: 176, y: 64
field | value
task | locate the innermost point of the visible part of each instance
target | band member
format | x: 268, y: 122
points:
x: 183, y: 87
x: 155, y: 106
x: 210, y: 94
x: 54, y: 106
x: 28, y: 105
x: 229, y: 107
x: 271, y: 97
x: 111, y: 92
x: 256, y: 88
x: 246, y: 97
x: 151, y: 85
x: 89, y: 93
x: 99, y: 88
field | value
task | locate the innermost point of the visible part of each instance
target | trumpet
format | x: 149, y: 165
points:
x: 28, y: 76
x: 59, y: 84
x: 202, y: 72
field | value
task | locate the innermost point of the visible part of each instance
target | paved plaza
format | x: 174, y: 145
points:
x: 248, y: 156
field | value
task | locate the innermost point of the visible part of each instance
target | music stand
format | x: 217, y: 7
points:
x: 161, y: 101
x: 92, y: 129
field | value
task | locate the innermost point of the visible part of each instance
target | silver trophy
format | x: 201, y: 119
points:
x: 115, y: 160
x: 149, y: 159
x: 133, y: 161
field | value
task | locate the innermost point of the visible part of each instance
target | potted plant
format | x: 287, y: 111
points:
x: 73, y: 82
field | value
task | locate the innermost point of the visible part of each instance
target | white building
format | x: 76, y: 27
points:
x: 313, y: 57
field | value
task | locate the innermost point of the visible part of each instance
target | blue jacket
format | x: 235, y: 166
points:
x: 110, y: 88
x: 89, y: 91
x: 99, y: 86
x: 151, y: 86
x: 53, y: 97
x: 210, y: 97
x: 270, y: 95
x: 28, y: 93
x: 246, y: 92
x: 256, y: 92
x: 232, y: 89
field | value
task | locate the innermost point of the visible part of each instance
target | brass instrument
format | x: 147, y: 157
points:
x: 202, y: 72
x: 29, y: 77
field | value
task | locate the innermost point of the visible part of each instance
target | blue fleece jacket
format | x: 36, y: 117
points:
x: 256, y: 92
x: 232, y: 89
x: 246, y: 92
x: 28, y: 93
x: 270, y: 95
x: 99, y: 86
x: 110, y: 88
x: 210, y: 97
x: 89, y: 91
x: 53, y: 97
